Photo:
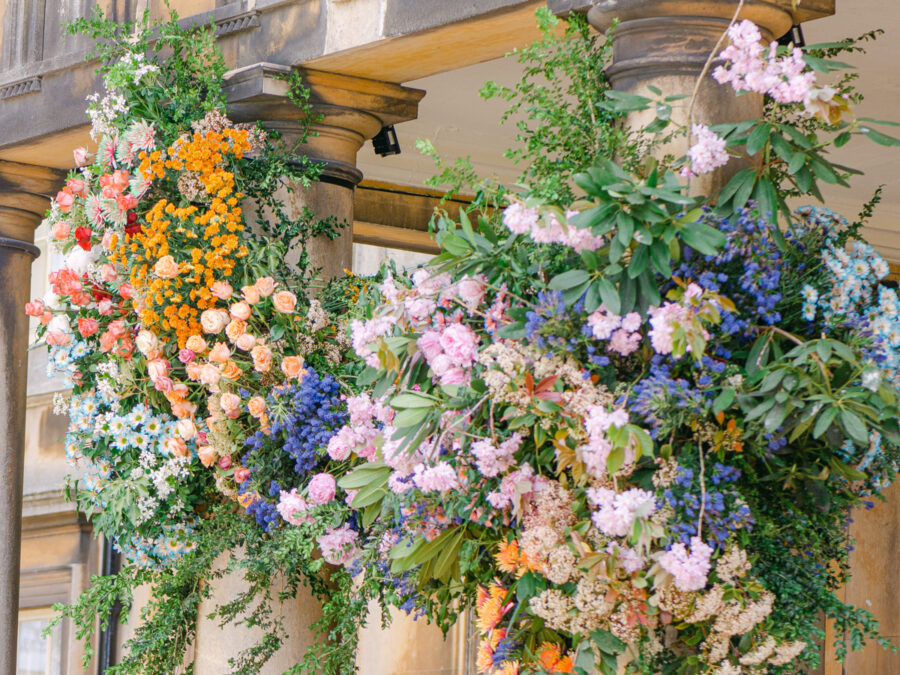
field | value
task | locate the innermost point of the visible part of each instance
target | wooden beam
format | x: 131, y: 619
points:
x: 387, y: 236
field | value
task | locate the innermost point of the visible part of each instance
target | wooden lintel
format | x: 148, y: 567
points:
x: 387, y: 236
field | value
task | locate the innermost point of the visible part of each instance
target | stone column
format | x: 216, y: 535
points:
x: 349, y: 110
x: 24, y: 190
x: 666, y: 43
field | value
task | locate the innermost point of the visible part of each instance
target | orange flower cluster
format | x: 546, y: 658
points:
x: 182, y: 251
x: 512, y: 560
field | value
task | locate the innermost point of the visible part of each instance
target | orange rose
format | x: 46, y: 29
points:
x: 232, y: 371
x: 166, y: 267
x: 196, y: 344
x: 250, y: 294
x: 182, y: 409
x: 265, y: 286
x: 235, y: 329
x: 292, y: 366
x: 230, y: 402
x: 193, y: 370
x: 284, y: 301
x: 262, y: 358
x: 256, y: 406
x: 207, y: 455
x: 220, y: 353
x: 221, y: 289
x: 240, y: 310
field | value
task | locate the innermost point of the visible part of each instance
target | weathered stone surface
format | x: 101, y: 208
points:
x: 807, y: 10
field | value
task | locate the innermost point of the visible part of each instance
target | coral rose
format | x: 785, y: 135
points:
x: 235, y: 329
x: 88, y: 326
x: 57, y: 337
x: 292, y: 366
x: 65, y: 201
x: 262, y: 358
x: 240, y: 310
x: 245, y: 342
x: 284, y: 301
x: 256, y: 406
x: 60, y: 229
x: 221, y: 289
x: 166, y: 267
x: 213, y: 320
x: 232, y: 371
x: 265, y: 286
x: 207, y: 455
x: 219, y: 353
x: 34, y: 308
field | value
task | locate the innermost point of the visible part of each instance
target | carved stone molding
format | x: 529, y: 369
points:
x: 20, y: 88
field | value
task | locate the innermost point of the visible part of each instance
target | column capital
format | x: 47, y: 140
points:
x: 350, y: 111
x: 24, y: 193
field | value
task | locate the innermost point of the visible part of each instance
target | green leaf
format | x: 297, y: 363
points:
x: 607, y: 642
x: 410, y: 417
x: 798, y: 160
x: 724, y: 400
x: 569, y: 279
x: 640, y: 260
x: 738, y: 180
x: 411, y: 400
x: 758, y: 138
x: 456, y: 245
x: 609, y: 295
x: 703, y: 238
x: 373, y: 472
x: 659, y: 256
x: 878, y: 137
x: 854, y: 427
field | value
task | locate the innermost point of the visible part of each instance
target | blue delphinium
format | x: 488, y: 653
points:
x: 654, y: 398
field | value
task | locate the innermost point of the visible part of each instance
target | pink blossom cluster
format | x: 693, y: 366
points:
x: 629, y: 560
x: 515, y: 486
x: 520, y: 219
x: 690, y: 568
x: 338, y: 545
x: 750, y: 67
x: 596, y: 451
x: 361, y: 433
x: 450, y: 352
x: 364, y: 333
x: 440, y: 477
x: 617, y: 511
x: 621, y: 331
x: 673, y: 315
x: 707, y: 154
x: 491, y: 459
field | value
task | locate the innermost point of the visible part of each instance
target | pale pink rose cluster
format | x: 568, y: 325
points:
x: 491, y: 459
x: 689, y: 568
x: 596, y: 451
x: 338, y: 545
x: 520, y: 219
x: 617, y: 511
x: 751, y: 67
x: 450, y: 352
x: 621, y: 331
x: 707, y: 154
x: 361, y: 433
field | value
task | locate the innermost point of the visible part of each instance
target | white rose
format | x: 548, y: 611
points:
x: 214, y: 320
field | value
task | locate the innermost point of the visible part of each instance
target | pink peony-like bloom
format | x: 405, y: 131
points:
x: 624, y: 343
x: 471, y: 290
x: 342, y: 444
x: 292, y: 508
x: 459, y: 344
x: 707, y: 154
x: 322, y: 488
x: 430, y: 344
x: 338, y: 546
x: 690, y: 568
x: 492, y: 460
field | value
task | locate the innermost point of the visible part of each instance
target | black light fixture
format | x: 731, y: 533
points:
x: 386, y: 143
x: 793, y: 37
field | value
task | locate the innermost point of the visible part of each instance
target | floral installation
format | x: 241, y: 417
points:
x: 610, y: 427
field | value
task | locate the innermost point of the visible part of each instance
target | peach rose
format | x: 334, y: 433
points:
x: 166, y: 267
x: 213, y: 320
x: 108, y: 272
x: 193, y: 370
x: 292, y: 366
x: 219, y: 353
x: 245, y: 342
x: 221, y: 289
x: 34, y: 308
x: 162, y: 384
x: 157, y: 368
x: 262, y: 358
x: 284, y: 301
x: 232, y: 371
x: 147, y: 344
x: 207, y: 455
x: 229, y: 401
x: 60, y: 229
x: 186, y: 429
x: 210, y: 375
x: 235, y: 329
x: 176, y: 446
x: 182, y: 409
x: 196, y: 344
x: 250, y: 294
x: 265, y: 286
x: 256, y: 406
x: 240, y: 310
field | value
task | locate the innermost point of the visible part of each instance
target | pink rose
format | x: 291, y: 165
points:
x: 34, y: 308
x: 284, y: 301
x: 241, y: 474
x: 455, y: 375
x: 225, y: 462
x: 75, y: 185
x: 88, y: 326
x: 221, y: 289
x: 163, y: 384
x: 157, y: 368
x: 441, y: 364
x: 240, y: 311
x: 60, y: 229
x: 459, y: 343
x: 65, y: 201
x: 471, y: 290
x: 80, y: 155
x: 185, y: 355
x: 105, y: 307
x: 322, y: 488
x: 108, y: 272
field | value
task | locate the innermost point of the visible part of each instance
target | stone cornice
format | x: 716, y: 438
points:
x: 805, y: 10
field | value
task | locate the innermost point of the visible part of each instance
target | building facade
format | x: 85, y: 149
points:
x: 415, y: 65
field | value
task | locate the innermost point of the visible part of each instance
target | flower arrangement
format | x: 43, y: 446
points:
x: 613, y: 427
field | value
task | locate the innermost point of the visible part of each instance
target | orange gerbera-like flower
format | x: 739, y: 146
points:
x: 512, y: 560
x: 490, y: 607
x: 551, y: 659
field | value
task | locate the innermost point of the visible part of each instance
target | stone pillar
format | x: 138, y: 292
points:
x: 666, y: 43
x: 349, y: 111
x: 24, y: 189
